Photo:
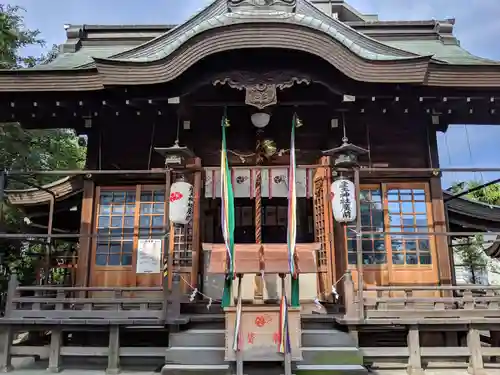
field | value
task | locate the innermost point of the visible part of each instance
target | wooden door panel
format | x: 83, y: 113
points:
x: 323, y: 227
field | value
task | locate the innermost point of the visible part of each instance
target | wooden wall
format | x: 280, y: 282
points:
x: 394, y: 140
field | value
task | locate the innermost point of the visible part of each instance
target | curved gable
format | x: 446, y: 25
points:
x: 217, y: 15
x: 169, y: 64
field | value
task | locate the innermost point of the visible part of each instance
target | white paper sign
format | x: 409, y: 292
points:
x: 149, y: 256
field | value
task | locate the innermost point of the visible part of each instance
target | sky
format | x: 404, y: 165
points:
x: 477, y: 28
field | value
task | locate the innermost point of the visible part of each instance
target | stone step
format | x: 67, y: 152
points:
x: 206, y: 321
x: 198, y: 337
x: 193, y: 355
x: 318, y: 321
x: 326, y: 338
x: 175, y: 369
x: 301, y: 369
x: 331, y: 356
x: 216, y: 337
x: 311, y: 356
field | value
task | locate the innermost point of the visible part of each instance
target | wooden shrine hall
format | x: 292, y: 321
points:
x: 262, y: 187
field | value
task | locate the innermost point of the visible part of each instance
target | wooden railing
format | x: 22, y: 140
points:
x: 412, y: 304
x: 436, y: 315
x: 63, y: 309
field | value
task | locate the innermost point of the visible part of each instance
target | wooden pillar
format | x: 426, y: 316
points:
x: 85, y: 243
x: 7, y: 331
x: 495, y: 342
x: 239, y: 353
x: 93, y: 161
x: 414, y: 360
x: 349, y: 299
x: 438, y: 211
x: 444, y: 260
x: 196, y: 245
x: 167, y: 261
x: 174, y: 302
x: 359, y: 248
x: 114, y: 350
x: 476, y: 366
x: 6, y: 347
x: 55, y: 350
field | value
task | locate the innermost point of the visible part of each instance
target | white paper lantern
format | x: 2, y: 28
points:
x: 181, y: 202
x: 343, y: 200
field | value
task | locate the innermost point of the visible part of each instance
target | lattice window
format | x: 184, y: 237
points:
x: 372, y: 220
x: 122, y: 219
x: 392, y: 208
x: 152, y: 213
x: 115, y: 228
x: 407, y: 212
x: 182, y: 243
x: 320, y: 233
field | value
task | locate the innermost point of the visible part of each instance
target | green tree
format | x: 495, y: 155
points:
x: 22, y: 149
x: 469, y: 251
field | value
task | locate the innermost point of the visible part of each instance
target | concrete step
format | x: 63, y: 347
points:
x: 331, y: 356
x: 206, y: 321
x: 175, y: 369
x: 326, y: 338
x: 195, y: 355
x: 301, y: 369
x: 198, y: 337
x: 318, y: 321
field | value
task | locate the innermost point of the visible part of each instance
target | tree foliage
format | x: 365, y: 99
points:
x: 469, y: 251
x: 489, y: 194
x: 21, y: 149
x: 52, y: 149
x: 14, y: 36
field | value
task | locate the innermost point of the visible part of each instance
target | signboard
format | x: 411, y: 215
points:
x: 260, y: 333
x: 149, y: 256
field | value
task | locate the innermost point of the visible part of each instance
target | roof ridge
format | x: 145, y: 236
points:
x: 216, y: 11
x: 175, y: 32
x: 321, y: 15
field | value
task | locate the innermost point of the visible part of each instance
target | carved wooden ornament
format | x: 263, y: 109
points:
x: 261, y: 89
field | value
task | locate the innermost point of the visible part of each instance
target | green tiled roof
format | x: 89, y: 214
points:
x: 162, y: 49
x: 450, y: 53
x: 72, y: 60
x: 216, y: 15
x: 307, y: 15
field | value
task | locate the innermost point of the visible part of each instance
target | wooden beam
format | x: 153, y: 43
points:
x: 438, y: 212
x: 196, y: 245
x: 84, y: 256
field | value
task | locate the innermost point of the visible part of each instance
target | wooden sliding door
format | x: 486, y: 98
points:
x: 116, y: 210
x: 394, y: 258
x: 125, y: 216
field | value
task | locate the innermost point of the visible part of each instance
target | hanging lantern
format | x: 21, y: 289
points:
x: 181, y: 202
x: 343, y: 200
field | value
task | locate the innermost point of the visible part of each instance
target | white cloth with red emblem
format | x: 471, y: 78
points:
x: 181, y: 202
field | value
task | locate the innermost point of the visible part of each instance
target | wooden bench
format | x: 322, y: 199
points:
x: 71, y: 309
